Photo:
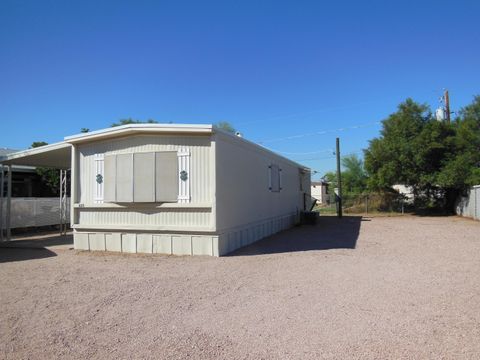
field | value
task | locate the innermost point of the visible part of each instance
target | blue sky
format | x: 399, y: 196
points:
x: 273, y: 69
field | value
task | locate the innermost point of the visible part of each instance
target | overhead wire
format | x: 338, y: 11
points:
x: 303, y: 114
x: 301, y: 153
x: 320, y: 132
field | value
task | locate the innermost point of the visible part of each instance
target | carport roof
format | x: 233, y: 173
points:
x: 56, y: 156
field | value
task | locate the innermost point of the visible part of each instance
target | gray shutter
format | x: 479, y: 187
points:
x: 109, y: 178
x: 144, y: 177
x: 166, y: 179
x: 125, y: 178
x: 275, y: 178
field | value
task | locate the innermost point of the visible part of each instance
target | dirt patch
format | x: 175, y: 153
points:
x: 358, y: 288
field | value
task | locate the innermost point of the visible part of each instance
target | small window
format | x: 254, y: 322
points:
x: 275, y: 178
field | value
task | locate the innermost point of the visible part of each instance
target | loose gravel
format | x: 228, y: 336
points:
x: 357, y: 288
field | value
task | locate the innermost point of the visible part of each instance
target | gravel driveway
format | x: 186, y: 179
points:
x: 362, y: 288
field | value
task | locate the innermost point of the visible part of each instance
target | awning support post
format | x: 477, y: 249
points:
x: 63, y: 202
x: 2, y: 180
x: 9, y: 202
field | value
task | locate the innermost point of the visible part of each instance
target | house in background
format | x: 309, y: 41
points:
x: 174, y: 189
x: 406, y: 191
x: 25, y: 180
x: 319, y: 191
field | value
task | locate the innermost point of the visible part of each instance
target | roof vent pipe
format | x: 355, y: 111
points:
x: 239, y: 134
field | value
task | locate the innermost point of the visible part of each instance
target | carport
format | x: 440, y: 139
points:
x: 55, y: 156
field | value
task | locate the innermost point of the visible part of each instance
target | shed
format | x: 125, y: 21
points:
x: 174, y: 189
x: 319, y: 191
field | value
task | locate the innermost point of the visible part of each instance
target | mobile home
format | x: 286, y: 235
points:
x: 177, y: 189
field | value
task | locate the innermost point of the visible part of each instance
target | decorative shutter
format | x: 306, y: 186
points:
x: 124, y: 177
x: 183, y: 175
x: 280, y: 179
x: 99, y: 179
x: 275, y: 185
x: 166, y: 176
x: 110, y: 178
x: 144, y: 177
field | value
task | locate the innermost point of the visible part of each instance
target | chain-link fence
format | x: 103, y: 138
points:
x: 366, y: 203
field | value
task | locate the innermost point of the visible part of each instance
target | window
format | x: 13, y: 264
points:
x: 275, y: 175
x: 146, y: 177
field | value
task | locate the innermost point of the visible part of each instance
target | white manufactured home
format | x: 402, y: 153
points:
x: 173, y: 189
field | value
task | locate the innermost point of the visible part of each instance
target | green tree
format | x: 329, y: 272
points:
x: 225, y: 126
x: 133, y: 121
x: 437, y: 159
x: 391, y: 158
x: 50, y: 177
x: 354, y: 177
x: 462, y: 166
x: 331, y: 178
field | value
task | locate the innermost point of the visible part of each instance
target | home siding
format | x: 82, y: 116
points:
x: 246, y: 209
x: 196, y: 214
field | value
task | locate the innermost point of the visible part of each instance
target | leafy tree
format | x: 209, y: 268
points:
x: 133, y: 121
x: 84, y: 130
x: 391, y: 158
x: 331, y: 178
x: 50, y: 177
x: 225, y: 126
x: 354, y: 177
x: 462, y: 166
x: 437, y: 159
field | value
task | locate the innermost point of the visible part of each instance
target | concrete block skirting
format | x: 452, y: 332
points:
x: 182, y: 244
x: 233, y: 239
x: 147, y: 243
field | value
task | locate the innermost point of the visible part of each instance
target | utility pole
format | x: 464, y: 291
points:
x: 447, y: 106
x: 339, y: 180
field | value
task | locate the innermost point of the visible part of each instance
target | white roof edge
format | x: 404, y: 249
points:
x: 258, y: 146
x: 131, y: 128
x: 34, y: 151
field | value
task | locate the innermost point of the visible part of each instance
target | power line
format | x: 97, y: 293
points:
x: 302, y: 153
x: 303, y: 114
x: 331, y: 156
x: 320, y: 132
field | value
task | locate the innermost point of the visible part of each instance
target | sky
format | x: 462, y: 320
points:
x: 291, y: 76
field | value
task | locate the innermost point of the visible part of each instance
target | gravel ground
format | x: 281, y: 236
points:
x: 363, y: 288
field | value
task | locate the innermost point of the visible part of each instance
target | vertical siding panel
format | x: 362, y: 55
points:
x: 199, y: 190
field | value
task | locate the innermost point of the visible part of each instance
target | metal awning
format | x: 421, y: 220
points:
x: 57, y: 156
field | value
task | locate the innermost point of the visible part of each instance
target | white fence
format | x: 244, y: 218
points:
x: 469, y: 205
x: 30, y: 212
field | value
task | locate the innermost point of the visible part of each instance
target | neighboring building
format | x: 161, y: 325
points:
x: 174, y: 189
x: 406, y: 191
x: 25, y: 180
x: 33, y: 203
x: 319, y: 191
x: 469, y: 204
